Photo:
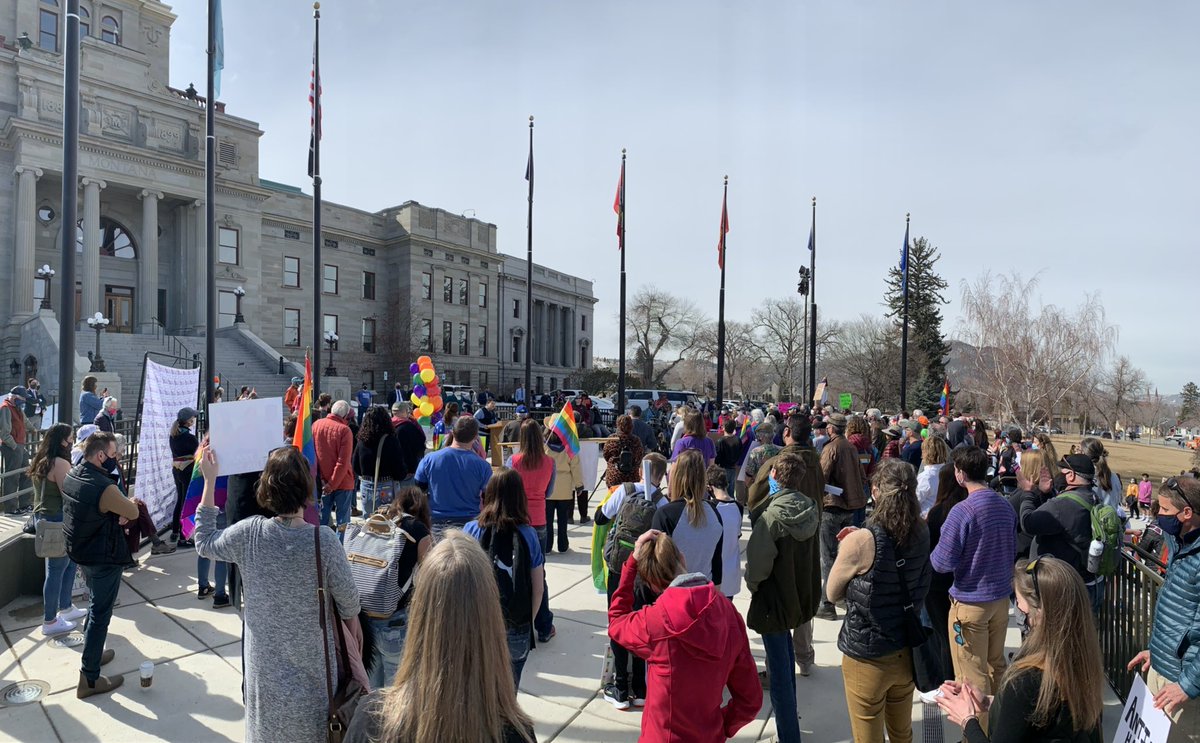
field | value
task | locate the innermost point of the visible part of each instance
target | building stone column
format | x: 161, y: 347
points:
x: 199, y: 285
x: 26, y: 229
x: 550, y: 359
x: 572, y: 345
x: 90, y: 297
x: 148, y: 263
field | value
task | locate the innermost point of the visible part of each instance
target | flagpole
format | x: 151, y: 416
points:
x: 812, y: 302
x: 621, y: 245
x: 721, y: 311
x: 70, y: 206
x: 529, y: 278
x: 318, y: 269
x: 210, y: 212
x: 904, y: 326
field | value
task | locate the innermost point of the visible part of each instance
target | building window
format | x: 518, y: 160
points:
x: 426, y: 286
x: 463, y: 289
x: 447, y: 335
x: 466, y: 377
x: 115, y: 240
x: 226, y: 309
x: 39, y: 291
x: 583, y: 323
x: 517, y: 308
x: 448, y: 377
x: 483, y: 379
x: 368, y: 251
x: 291, y: 271
x: 539, y: 384
x: 553, y: 384
x: 368, y: 285
x: 110, y: 30
x: 483, y: 294
x: 291, y: 234
x: 483, y: 340
x: 462, y: 339
x: 447, y: 290
x: 48, y: 26
x: 426, y: 334
x: 227, y: 245
x: 291, y: 327
x: 516, y: 349
x: 85, y: 22
x: 368, y: 335
x: 583, y: 357
x: 331, y: 326
x: 330, y: 283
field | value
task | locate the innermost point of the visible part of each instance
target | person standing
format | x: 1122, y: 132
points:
x: 511, y: 432
x: 1062, y: 525
x: 13, y: 435
x: 642, y: 430
x: 35, y: 404
x: 377, y: 452
x: 411, y: 437
x: 783, y: 575
x: 690, y: 520
x: 1174, y: 680
x: 622, y: 453
x: 1145, y: 491
x: 363, y: 397
x: 844, y: 495
x: 455, y: 477
x: 291, y: 398
x: 48, y: 470
x: 729, y: 451
x: 910, y: 451
x: 183, y: 454
x: 335, y: 450
x: 106, y: 419
x: 694, y: 437
x: 537, y: 473
x: 93, y: 508
x: 567, y: 490
x: 519, y: 395
x: 978, y: 545
x: 89, y: 402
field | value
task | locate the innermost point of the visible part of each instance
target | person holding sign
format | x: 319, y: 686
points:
x: 1052, y: 689
x: 1172, y: 664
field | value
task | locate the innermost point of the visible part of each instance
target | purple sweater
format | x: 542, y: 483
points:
x: 978, y: 545
x: 703, y: 445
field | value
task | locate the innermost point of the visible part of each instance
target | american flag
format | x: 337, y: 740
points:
x: 314, y: 116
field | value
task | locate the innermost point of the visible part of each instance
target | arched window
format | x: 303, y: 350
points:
x: 85, y: 22
x: 110, y: 30
x: 48, y: 25
x: 115, y: 240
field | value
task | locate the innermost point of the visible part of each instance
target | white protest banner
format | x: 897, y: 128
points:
x: 589, y: 461
x: 243, y: 433
x: 1140, y: 722
x: 50, y: 416
x: 167, y: 391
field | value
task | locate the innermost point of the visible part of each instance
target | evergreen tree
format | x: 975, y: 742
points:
x: 1189, y: 412
x: 927, y: 347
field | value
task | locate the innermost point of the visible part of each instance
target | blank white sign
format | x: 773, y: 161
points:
x: 243, y: 433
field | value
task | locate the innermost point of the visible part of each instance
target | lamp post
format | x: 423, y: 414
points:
x: 98, y: 323
x: 239, y: 293
x: 331, y: 338
x: 802, y: 290
x: 46, y: 274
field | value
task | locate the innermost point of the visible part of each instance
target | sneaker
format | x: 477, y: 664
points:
x: 638, y: 700
x: 73, y: 614
x: 101, y: 685
x: 162, y: 548
x: 204, y: 592
x: 59, y: 626
x: 617, y: 697
x: 805, y: 669
x: 827, y: 612
x: 931, y: 696
x: 185, y: 543
x: 221, y: 601
x: 546, y: 638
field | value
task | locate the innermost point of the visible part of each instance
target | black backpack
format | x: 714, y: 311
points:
x: 633, y: 520
x: 514, y: 581
x: 625, y: 461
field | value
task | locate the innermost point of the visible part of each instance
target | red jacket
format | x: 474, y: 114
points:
x: 695, y: 645
x: 335, y: 445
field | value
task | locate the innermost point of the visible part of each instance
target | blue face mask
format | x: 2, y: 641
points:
x: 1170, y: 525
x: 773, y: 485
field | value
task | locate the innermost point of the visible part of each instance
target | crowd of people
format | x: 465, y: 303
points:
x: 944, y: 532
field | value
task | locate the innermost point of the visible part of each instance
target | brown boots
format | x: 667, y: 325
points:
x: 102, y: 685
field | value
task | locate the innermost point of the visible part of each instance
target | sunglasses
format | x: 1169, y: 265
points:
x: 1173, y: 483
x: 958, y: 635
x: 1031, y: 571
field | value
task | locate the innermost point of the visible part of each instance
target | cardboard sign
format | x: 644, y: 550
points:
x: 243, y: 433
x: 845, y: 401
x: 820, y: 395
x: 1140, y: 722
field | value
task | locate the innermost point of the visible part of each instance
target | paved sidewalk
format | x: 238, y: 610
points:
x: 196, y: 694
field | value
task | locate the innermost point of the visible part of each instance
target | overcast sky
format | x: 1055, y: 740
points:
x: 1059, y: 138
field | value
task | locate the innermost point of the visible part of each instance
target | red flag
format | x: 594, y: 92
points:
x: 724, y: 229
x: 619, y: 207
x: 314, y: 115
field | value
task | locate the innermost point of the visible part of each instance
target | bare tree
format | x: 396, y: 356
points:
x: 1120, y: 388
x: 781, y: 337
x: 1028, y: 360
x: 743, y: 351
x: 662, y: 325
x: 864, y: 359
x: 1157, y: 415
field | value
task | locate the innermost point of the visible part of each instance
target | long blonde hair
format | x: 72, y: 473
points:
x: 1062, y: 644
x: 689, y: 483
x: 455, y: 681
x: 661, y: 563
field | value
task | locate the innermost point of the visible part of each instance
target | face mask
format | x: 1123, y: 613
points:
x: 109, y: 465
x: 773, y: 485
x: 1170, y: 525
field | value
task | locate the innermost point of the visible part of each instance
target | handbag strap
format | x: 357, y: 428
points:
x: 905, y: 596
x: 378, y: 456
x: 324, y: 627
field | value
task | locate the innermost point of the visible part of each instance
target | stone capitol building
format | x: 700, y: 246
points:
x: 408, y: 279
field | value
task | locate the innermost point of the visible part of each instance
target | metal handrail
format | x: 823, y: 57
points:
x: 1127, y: 614
x: 174, y: 345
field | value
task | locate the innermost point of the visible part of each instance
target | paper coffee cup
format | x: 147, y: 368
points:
x: 147, y: 672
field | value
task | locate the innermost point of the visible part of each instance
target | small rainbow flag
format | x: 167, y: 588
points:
x: 195, y: 489
x: 945, y: 402
x: 303, y: 438
x: 564, y: 426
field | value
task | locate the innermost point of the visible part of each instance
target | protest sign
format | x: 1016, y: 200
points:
x: 244, y: 433
x: 166, y: 391
x: 1140, y: 722
x: 845, y: 401
x: 50, y: 417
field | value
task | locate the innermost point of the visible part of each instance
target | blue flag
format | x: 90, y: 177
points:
x: 904, y: 262
x: 812, y: 238
x: 218, y: 50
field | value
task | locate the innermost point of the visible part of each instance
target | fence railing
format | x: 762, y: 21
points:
x: 16, y: 489
x: 1127, y: 614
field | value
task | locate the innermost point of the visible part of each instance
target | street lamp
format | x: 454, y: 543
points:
x: 331, y: 338
x: 46, y: 274
x: 239, y: 293
x: 97, y: 322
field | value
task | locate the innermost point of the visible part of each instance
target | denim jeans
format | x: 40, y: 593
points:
x: 222, y: 569
x: 544, y: 621
x: 341, y: 501
x: 104, y: 581
x: 373, y: 497
x: 1096, y: 594
x: 560, y: 509
x: 781, y: 668
x: 518, y: 650
x: 832, y: 521
x: 389, y: 647
x: 60, y: 579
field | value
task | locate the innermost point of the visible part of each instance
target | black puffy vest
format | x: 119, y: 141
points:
x: 874, y: 623
x: 93, y: 538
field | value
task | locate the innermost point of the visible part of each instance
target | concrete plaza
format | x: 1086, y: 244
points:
x: 196, y: 695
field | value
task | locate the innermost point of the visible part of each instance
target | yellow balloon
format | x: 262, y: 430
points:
x: 427, y: 375
x: 426, y: 409
x: 415, y: 400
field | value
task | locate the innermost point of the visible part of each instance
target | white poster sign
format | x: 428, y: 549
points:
x: 167, y: 391
x: 244, y: 433
x: 1140, y: 722
x: 589, y: 461
x: 50, y: 416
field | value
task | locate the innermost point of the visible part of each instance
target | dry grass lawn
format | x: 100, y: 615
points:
x: 1131, y: 459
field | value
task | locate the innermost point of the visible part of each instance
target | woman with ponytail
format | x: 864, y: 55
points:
x: 1107, y: 482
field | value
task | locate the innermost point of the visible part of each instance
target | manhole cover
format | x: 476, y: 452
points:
x: 23, y: 692
x: 72, y: 640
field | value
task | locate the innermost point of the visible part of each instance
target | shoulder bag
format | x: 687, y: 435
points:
x: 49, y: 541
x: 382, y: 498
x: 344, y: 701
x: 927, y: 671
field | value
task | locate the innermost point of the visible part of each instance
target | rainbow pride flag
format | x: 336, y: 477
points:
x: 564, y: 427
x: 944, y: 404
x: 195, y: 489
x: 303, y: 438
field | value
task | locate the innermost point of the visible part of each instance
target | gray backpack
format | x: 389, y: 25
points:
x: 373, y: 548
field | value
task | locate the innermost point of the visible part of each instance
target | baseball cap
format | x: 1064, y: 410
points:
x: 1080, y: 464
x: 17, y: 391
x: 86, y: 432
x: 186, y: 414
x: 892, y: 431
x: 522, y: 410
x: 296, y: 380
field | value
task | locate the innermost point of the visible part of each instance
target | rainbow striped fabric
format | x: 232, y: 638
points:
x: 564, y: 426
x: 195, y: 489
x: 303, y: 438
